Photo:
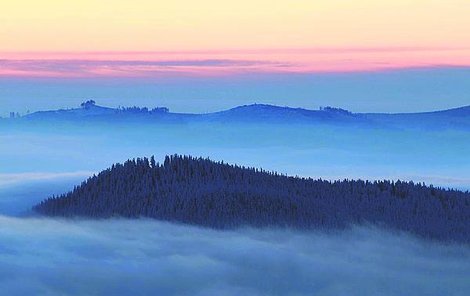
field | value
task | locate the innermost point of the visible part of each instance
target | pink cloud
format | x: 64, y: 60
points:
x: 231, y: 62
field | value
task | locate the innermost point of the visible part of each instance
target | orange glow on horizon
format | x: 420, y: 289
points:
x: 254, y: 35
x: 219, y: 63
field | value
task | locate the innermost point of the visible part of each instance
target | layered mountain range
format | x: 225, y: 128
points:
x: 458, y: 118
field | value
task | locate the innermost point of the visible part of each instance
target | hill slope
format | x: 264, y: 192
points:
x: 458, y: 118
x: 271, y: 113
x: 202, y: 192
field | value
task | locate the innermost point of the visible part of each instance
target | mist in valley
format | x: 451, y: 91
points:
x: 120, y: 257
x: 45, y: 256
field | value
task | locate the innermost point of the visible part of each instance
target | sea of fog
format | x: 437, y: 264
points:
x: 42, y: 256
x: 145, y: 257
x: 46, y: 256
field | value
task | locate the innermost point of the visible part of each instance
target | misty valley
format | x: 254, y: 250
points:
x: 258, y: 199
x: 227, y: 148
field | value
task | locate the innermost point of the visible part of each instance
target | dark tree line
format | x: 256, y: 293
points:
x: 336, y: 110
x: 145, y: 110
x: 90, y: 103
x: 202, y: 192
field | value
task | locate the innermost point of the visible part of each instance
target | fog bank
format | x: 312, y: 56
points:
x: 141, y: 257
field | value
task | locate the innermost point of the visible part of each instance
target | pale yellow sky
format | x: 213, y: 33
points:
x: 153, y: 25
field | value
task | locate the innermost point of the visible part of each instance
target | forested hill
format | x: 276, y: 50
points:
x: 203, y: 192
x: 90, y: 112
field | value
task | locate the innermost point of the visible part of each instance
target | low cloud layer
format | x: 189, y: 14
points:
x: 122, y: 257
x: 20, y: 192
x: 21, y: 178
x: 136, y: 68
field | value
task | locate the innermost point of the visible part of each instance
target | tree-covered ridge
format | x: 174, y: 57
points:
x: 203, y: 192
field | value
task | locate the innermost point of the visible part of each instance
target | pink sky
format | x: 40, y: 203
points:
x: 229, y: 62
x: 148, y: 38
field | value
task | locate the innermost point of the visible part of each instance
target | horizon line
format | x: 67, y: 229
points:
x: 320, y: 108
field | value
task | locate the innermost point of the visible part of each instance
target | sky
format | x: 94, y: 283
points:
x: 68, y: 42
x: 148, y: 25
x: 334, y: 35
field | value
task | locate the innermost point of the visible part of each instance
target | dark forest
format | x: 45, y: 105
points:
x: 202, y: 192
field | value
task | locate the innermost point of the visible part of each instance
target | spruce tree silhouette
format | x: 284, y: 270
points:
x: 207, y: 193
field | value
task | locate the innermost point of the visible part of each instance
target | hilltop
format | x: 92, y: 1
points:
x: 214, y: 194
x: 89, y: 111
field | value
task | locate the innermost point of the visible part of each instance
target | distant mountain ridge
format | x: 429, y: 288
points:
x: 264, y: 113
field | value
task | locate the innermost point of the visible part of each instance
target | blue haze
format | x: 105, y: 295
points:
x: 320, y: 151
x: 408, y: 90
x: 141, y: 257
